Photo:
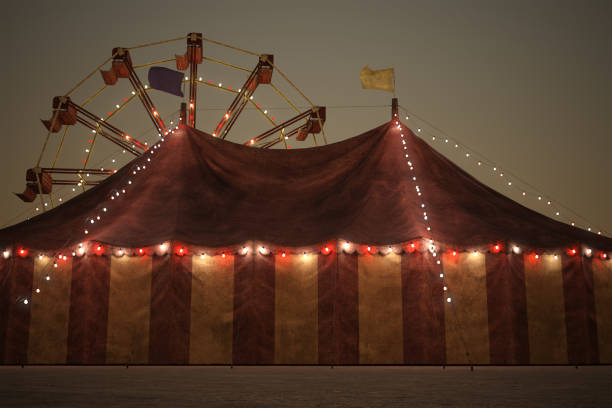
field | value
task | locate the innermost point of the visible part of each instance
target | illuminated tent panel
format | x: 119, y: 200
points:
x: 211, y: 252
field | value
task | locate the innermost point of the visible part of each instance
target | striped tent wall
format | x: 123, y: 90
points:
x: 290, y: 308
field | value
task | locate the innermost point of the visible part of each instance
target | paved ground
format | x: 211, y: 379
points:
x: 305, y: 386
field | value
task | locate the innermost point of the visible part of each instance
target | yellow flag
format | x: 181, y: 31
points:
x: 381, y: 79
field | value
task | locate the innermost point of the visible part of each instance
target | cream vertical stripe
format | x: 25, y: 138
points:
x: 129, y: 310
x: 466, y: 316
x: 212, y: 310
x: 50, y: 311
x: 380, y: 309
x: 545, y: 310
x: 296, y: 310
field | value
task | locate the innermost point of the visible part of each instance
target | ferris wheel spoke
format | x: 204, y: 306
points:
x: 261, y: 74
x: 191, y: 60
x: 122, y: 68
x: 315, y: 117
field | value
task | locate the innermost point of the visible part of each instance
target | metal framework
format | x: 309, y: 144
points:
x: 191, y: 60
x: 70, y: 113
x: 261, y: 74
x: 122, y: 68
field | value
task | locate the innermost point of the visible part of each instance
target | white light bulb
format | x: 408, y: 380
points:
x: 516, y: 249
x: 25, y: 301
x: 448, y: 300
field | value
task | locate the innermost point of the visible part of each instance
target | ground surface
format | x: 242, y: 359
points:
x: 39, y: 386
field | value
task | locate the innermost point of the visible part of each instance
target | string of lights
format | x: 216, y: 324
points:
x: 512, y: 181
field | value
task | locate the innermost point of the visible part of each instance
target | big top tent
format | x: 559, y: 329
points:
x: 373, y: 250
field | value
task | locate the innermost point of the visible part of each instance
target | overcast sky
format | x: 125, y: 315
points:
x: 525, y: 83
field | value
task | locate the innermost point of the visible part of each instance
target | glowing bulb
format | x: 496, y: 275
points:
x: 37, y: 290
x: 222, y: 254
x: 6, y: 254
x: 536, y: 256
x: 25, y: 301
x: 441, y: 275
x: 454, y: 253
x: 245, y: 250
x: 516, y: 249
x: 448, y: 300
x: 475, y: 253
x: 120, y: 252
x: 162, y: 247
x: 588, y: 251
x: 283, y: 254
x: 346, y: 246
x: 305, y: 255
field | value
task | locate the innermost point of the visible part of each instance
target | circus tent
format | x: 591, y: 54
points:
x: 373, y: 250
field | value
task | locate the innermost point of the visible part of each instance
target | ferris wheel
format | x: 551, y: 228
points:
x: 46, y: 179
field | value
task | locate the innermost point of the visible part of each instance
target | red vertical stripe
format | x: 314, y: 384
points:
x: 423, y: 310
x: 18, y: 313
x: 88, y: 319
x: 326, y: 274
x: 5, y: 300
x: 582, y: 344
x: 338, y: 309
x: 170, y: 310
x: 507, y: 309
x: 253, y: 337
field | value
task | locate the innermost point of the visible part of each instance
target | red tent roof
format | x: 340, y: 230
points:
x: 201, y: 190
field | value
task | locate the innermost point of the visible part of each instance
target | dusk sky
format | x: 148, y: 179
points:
x: 526, y: 84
